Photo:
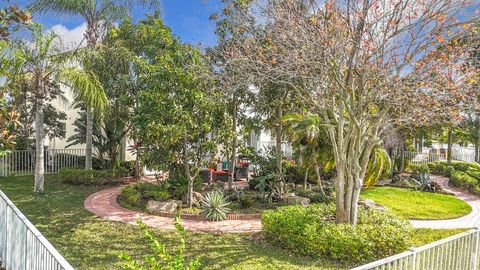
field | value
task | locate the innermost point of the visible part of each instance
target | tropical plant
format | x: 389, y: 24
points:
x: 162, y: 258
x: 112, y: 62
x: 44, y: 65
x: 379, y: 166
x: 424, y: 182
x: 215, y: 206
x: 98, y: 14
x: 307, y: 133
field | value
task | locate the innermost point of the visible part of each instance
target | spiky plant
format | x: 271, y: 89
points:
x: 215, y: 206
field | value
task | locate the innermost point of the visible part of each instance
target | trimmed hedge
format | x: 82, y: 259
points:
x: 312, y: 231
x: 75, y: 176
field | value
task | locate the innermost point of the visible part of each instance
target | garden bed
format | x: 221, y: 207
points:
x: 242, y: 204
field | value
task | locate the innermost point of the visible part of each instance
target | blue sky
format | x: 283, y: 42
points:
x: 187, y: 18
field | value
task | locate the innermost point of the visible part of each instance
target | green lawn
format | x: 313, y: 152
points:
x: 88, y: 242
x: 413, y: 204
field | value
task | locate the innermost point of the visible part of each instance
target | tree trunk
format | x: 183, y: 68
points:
x: 138, y: 168
x: 305, y: 178
x: 278, y: 150
x: 347, y: 201
x: 89, y: 139
x: 402, y: 160
x: 92, y: 36
x: 477, y: 144
x: 233, y: 157
x: 189, y: 177
x: 319, y: 176
x: 39, y: 153
x: 449, y: 148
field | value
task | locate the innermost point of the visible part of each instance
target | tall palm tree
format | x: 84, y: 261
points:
x: 98, y: 14
x: 46, y: 66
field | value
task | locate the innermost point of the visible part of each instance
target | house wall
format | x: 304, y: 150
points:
x: 72, y: 115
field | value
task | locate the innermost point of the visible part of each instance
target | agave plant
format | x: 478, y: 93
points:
x: 215, y: 206
x: 424, y: 182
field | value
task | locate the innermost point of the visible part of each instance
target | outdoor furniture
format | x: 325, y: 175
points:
x: 241, y: 173
x: 206, y: 175
x: 220, y: 176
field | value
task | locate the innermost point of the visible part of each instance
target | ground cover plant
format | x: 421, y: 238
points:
x: 412, y: 204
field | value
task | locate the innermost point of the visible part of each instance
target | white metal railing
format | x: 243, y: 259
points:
x: 22, y: 162
x: 456, y: 252
x: 22, y: 246
x: 427, y: 157
x: 462, y: 155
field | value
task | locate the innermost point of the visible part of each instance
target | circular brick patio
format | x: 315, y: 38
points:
x: 104, y: 204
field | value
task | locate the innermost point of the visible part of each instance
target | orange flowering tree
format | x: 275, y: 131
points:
x: 354, y: 64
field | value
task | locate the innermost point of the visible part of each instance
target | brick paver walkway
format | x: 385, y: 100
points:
x: 469, y: 221
x: 104, y: 204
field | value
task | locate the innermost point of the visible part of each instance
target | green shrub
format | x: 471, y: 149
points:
x: 464, y: 181
x: 97, y: 163
x: 75, y: 176
x: 313, y: 195
x: 136, y: 196
x: 215, y: 206
x: 418, y: 168
x: 131, y: 198
x: 127, y: 166
x: 461, y: 166
x: 312, y: 231
x: 292, y: 172
x: 179, y: 186
x: 441, y: 168
x: 246, y: 201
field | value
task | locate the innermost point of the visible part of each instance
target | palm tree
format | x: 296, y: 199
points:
x: 98, y: 14
x: 307, y: 134
x: 46, y: 66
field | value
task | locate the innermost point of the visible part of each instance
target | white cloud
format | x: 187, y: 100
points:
x: 72, y: 38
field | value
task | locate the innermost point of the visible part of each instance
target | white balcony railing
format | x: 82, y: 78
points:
x: 456, y: 252
x: 22, y: 246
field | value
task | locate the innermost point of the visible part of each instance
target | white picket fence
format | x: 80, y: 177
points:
x: 22, y: 162
x: 458, y: 252
x: 22, y: 246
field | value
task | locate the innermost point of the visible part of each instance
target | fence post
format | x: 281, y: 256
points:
x: 474, y: 255
x: 413, y: 263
